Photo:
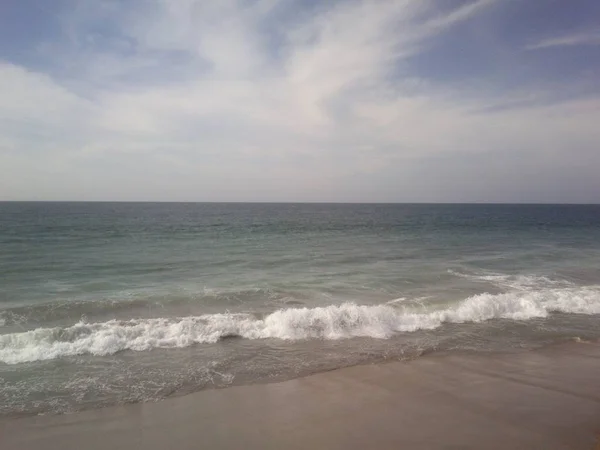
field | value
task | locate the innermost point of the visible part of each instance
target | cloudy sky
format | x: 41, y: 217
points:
x: 300, y: 100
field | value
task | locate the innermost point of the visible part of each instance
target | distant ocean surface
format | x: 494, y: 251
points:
x: 111, y: 303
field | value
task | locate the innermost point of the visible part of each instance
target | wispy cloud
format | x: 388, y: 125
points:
x: 585, y: 38
x: 266, y: 100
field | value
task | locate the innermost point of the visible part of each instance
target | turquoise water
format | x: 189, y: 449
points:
x: 104, y: 303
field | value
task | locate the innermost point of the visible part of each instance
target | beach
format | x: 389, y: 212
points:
x: 297, y: 326
x: 542, y: 399
x: 268, y: 224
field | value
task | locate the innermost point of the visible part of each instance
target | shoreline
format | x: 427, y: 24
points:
x: 547, y: 398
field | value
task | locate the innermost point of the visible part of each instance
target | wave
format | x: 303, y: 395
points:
x: 518, y: 282
x: 330, y: 322
x: 63, y: 309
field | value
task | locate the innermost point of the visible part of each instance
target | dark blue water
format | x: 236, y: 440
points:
x: 104, y: 303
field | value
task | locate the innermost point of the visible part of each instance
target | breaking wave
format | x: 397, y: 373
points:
x: 330, y: 322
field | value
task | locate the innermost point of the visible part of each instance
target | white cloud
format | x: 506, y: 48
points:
x: 585, y: 38
x: 250, y: 101
x: 29, y: 96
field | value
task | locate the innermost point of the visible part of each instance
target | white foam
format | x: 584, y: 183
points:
x: 330, y: 322
x: 520, y: 282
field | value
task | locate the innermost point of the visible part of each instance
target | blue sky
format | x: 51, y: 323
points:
x: 280, y: 100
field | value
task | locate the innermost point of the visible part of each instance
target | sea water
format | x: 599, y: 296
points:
x: 111, y: 303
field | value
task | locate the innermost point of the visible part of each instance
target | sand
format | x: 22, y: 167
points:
x: 544, y: 399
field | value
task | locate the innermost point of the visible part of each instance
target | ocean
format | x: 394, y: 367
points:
x: 113, y: 303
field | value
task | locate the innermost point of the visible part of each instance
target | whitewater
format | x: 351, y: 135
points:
x: 331, y: 322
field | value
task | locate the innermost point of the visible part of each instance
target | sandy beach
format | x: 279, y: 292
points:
x: 544, y: 399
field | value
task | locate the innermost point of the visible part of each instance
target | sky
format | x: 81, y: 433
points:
x: 309, y: 101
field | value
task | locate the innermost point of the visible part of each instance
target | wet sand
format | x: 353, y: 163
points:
x: 545, y: 399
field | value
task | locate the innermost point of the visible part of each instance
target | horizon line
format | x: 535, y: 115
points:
x: 306, y: 202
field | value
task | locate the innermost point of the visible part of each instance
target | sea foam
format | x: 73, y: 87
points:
x: 330, y: 322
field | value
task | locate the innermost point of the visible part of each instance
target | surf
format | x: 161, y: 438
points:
x: 332, y: 322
